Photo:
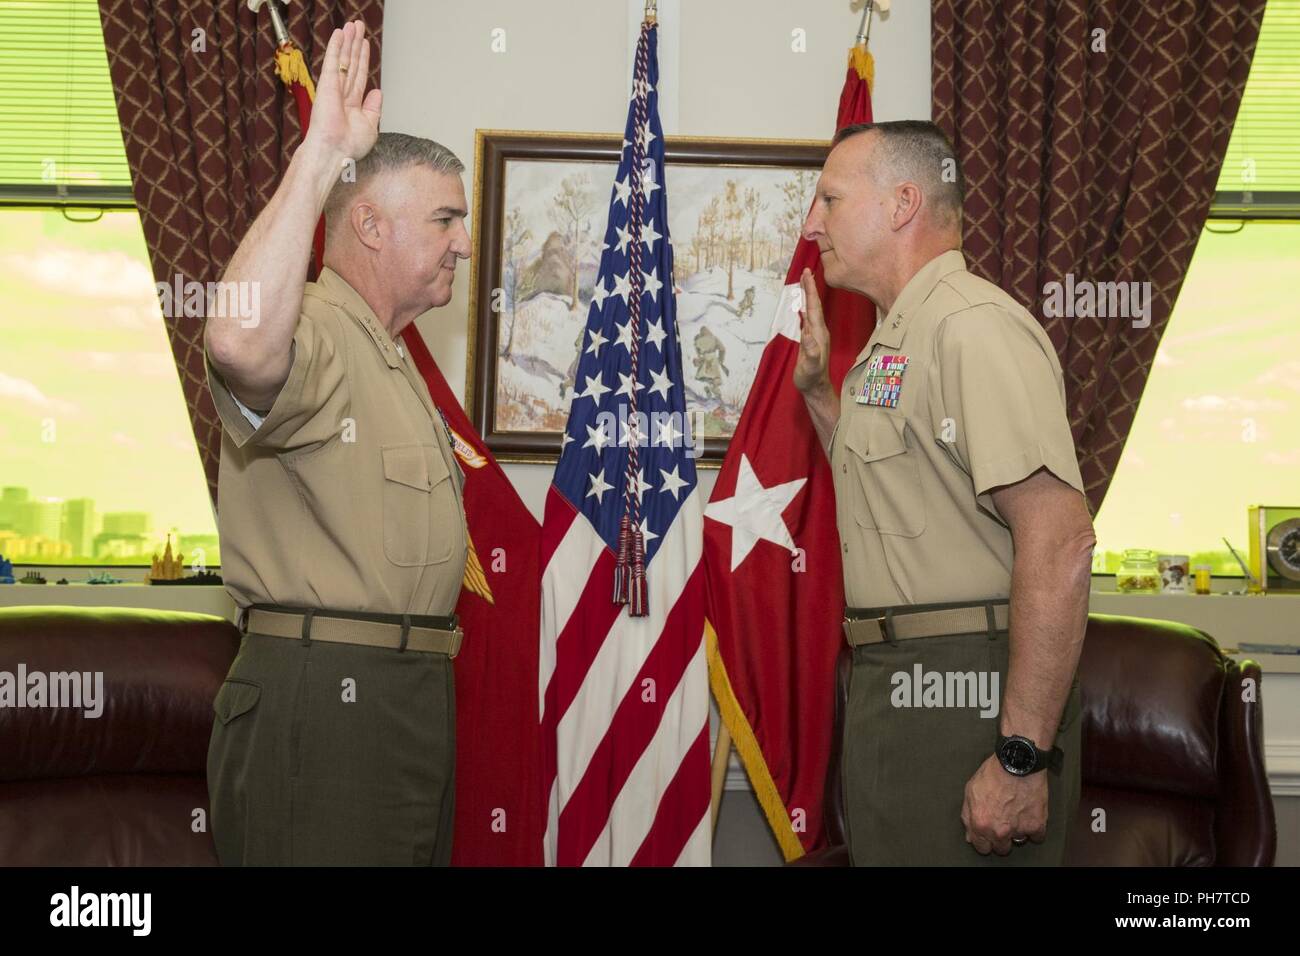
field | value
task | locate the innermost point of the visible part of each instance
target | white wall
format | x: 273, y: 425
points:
x: 726, y: 69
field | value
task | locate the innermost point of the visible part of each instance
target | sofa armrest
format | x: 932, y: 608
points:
x: 1245, y: 829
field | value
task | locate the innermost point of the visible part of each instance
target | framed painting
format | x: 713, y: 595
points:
x: 541, y: 201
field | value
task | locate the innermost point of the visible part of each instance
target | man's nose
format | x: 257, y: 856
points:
x: 812, y: 225
x: 461, y: 243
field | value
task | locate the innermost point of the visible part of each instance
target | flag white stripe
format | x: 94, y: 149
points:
x: 563, y: 581
x: 698, y: 850
x: 785, y: 321
x: 633, y: 812
x: 627, y: 645
x: 552, y: 825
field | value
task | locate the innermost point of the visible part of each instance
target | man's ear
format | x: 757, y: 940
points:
x: 907, y: 203
x: 364, y: 219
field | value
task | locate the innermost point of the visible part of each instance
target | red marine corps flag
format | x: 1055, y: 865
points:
x: 771, y: 552
x: 499, y: 800
x: 500, y: 807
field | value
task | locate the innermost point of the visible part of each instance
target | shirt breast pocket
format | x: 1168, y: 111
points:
x: 888, y: 498
x: 421, y: 519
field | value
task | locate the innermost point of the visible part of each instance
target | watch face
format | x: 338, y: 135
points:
x: 1018, y: 756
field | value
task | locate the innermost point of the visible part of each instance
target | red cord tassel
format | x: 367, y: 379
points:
x: 639, y: 598
x: 622, y: 568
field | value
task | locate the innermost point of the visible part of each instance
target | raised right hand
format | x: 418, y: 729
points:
x: 812, y: 370
x: 344, y: 118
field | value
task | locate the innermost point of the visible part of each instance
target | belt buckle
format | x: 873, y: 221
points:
x: 882, y: 621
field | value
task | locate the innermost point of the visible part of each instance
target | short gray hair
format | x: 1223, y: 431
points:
x: 918, y: 151
x: 392, y: 151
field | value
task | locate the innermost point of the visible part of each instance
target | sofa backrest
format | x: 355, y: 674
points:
x: 1153, y: 691
x: 157, y: 674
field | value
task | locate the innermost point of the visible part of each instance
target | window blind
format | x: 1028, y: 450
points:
x: 1261, y: 171
x: 59, y: 132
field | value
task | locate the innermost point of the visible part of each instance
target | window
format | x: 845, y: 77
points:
x: 1218, y: 428
x: 1261, y: 171
x: 98, y: 463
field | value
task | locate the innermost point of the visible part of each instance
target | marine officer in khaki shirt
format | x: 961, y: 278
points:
x: 340, y: 510
x: 966, y: 538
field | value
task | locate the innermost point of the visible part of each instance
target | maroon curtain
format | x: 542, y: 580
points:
x: 1091, y: 134
x: 209, y: 130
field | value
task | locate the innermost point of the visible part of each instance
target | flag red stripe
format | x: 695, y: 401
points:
x: 684, y: 804
x: 559, y: 695
x: 634, y: 724
x: 583, y: 635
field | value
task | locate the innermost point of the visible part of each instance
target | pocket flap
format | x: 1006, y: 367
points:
x: 405, y: 464
x: 236, y: 697
x: 873, y: 436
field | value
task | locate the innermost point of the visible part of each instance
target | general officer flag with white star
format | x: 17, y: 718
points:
x: 623, y: 673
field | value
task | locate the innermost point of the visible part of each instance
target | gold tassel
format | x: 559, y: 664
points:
x: 860, y: 59
x: 289, y: 64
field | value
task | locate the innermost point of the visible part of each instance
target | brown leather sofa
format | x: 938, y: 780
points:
x: 125, y: 788
x: 1171, y: 753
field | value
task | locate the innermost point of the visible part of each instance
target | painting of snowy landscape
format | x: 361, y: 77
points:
x: 733, y: 229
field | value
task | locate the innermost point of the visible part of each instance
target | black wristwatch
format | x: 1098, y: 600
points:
x: 1019, y: 756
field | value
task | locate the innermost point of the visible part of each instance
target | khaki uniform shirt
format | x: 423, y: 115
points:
x: 980, y: 403
x: 348, y: 495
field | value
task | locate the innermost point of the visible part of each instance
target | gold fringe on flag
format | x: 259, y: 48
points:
x: 751, y: 755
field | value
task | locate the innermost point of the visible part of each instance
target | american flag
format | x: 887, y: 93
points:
x: 623, y: 674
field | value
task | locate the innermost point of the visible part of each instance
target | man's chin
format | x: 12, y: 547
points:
x: 441, y: 292
x: 832, y: 273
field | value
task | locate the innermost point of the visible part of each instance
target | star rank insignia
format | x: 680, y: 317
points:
x: 883, y: 382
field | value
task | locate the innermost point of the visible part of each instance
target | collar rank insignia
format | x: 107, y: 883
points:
x: 883, y: 382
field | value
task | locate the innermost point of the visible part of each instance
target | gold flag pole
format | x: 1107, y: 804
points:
x: 721, y: 757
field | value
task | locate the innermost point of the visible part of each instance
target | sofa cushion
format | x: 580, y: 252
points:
x: 160, y: 671
x: 107, y: 820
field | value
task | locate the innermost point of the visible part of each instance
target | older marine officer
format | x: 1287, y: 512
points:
x: 340, y: 503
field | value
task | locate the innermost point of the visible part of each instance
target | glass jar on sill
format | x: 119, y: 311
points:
x: 1138, y: 573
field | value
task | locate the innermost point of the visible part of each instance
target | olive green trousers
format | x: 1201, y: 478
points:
x: 333, y: 754
x: 905, y: 767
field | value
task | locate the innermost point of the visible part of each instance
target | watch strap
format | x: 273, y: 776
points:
x: 1051, y: 760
